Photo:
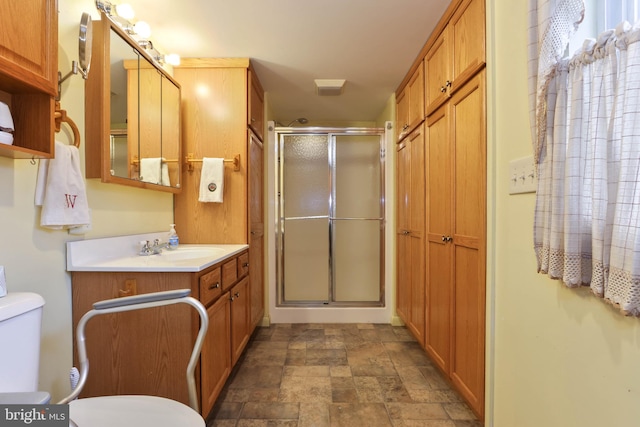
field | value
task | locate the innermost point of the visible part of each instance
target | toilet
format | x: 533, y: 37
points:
x: 20, y: 325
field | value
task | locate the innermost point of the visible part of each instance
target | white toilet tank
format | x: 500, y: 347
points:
x: 20, y: 324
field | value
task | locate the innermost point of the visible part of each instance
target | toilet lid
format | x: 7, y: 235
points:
x: 130, y: 411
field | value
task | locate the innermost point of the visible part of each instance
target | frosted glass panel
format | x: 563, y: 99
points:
x: 306, y: 266
x: 306, y: 175
x: 357, y: 260
x: 357, y: 177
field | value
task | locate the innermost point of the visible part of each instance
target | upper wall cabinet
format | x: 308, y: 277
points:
x: 410, y: 104
x: 456, y: 55
x: 132, y: 109
x: 29, y: 74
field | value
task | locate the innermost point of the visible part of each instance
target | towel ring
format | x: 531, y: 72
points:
x: 61, y: 116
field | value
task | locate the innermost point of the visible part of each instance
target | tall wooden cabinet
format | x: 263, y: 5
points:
x: 456, y: 236
x: 222, y: 108
x: 453, y: 263
x: 29, y: 74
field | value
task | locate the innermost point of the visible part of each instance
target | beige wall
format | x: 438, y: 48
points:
x: 34, y: 258
x: 558, y: 357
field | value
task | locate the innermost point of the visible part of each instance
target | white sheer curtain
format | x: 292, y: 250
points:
x: 587, y: 124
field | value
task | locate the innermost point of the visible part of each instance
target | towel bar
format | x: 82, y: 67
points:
x: 190, y: 161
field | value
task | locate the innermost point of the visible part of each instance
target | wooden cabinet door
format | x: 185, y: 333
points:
x: 468, y: 137
x: 467, y: 29
x: 402, y: 114
x: 410, y: 234
x: 416, y: 98
x: 439, y: 254
x: 410, y: 104
x: 255, y: 118
x: 240, y: 306
x: 403, y: 267
x: 256, y: 227
x: 29, y: 44
x: 416, y: 235
x: 437, y: 72
x: 215, y: 358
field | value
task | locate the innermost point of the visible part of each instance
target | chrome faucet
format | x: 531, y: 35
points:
x: 155, y: 248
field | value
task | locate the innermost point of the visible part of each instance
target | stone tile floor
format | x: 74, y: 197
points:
x: 335, y: 375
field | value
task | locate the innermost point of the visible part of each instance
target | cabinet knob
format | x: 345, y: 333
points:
x: 443, y: 89
x: 245, y: 265
x: 214, y: 286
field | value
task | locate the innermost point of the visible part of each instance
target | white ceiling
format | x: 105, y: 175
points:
x: 370, y: 43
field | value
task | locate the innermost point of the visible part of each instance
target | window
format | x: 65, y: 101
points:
x: 612, y: 12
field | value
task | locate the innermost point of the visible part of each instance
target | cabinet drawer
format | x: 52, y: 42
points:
x: 229, y: 273
x: 210, y: 286
x: 243, y: 265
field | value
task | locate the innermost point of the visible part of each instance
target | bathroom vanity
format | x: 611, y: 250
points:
x: 147, y: 351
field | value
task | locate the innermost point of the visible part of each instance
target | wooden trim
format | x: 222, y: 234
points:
x: 214, y: 63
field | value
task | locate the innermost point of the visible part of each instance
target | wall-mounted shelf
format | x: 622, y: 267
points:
x: 29, y: 75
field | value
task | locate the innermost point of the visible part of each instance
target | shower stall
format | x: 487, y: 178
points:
x: 330, y: 217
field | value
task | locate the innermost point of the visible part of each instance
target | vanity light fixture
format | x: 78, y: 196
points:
x: 122, y: 14
x: 170, y: 58
x: 142, y: 29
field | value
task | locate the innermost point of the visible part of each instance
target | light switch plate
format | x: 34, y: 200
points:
x: 522, y: 176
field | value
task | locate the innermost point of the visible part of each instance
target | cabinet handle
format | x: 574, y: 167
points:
x: 214, y: 286
x: 406, y: 232
x: 448, y: 83
x: 237, y: 294
x: 245, y: 265
x: 443, y: 89
x: 444, y: 239
x: 234, y: 296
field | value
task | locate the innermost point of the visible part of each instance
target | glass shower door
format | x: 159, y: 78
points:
x: 331, y: 220
x: 305, y: 217
x: 356, y: 220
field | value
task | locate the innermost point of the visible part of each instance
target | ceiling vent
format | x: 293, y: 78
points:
x: 329, y: 87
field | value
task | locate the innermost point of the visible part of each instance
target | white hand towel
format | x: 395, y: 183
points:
x: 211, y: 180
x: 61, y: 191
x: 150, y: 170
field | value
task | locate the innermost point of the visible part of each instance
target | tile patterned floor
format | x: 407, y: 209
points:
x: 337, y: 375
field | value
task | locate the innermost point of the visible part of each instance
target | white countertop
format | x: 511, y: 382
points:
x: 121, y: 254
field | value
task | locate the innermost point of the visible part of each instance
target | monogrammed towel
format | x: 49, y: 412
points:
x: 60, y: 190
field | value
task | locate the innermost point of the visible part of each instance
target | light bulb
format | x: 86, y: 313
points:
x: 172, y: 59
x: 142, y: 29
x: 125, y: 11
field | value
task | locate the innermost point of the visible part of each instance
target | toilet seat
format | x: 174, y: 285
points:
x: 132, y: 411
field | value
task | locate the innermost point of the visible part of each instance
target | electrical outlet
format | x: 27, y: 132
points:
x: 522, y: 176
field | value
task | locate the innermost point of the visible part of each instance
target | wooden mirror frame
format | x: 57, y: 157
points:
x: 97, y: 109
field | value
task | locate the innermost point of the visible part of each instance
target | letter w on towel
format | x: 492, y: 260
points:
x: 211, y: 180
x: 60, y: 190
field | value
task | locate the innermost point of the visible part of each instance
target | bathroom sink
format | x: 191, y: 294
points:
x: 121, y: 254
x: 183, y: 253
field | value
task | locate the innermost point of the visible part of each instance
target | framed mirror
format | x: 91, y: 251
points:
x: 132, y: 107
